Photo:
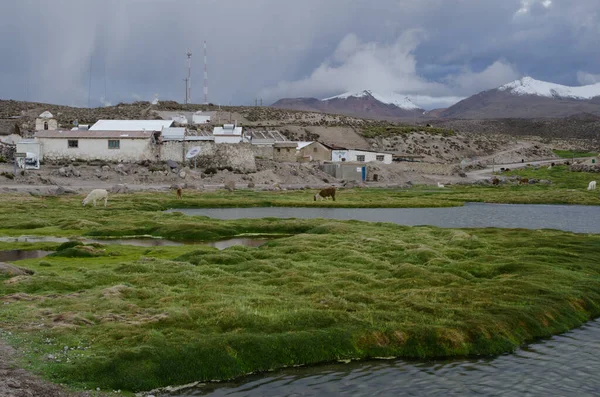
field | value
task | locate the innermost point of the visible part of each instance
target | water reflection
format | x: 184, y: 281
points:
x: 565, y: 365
x: 575, y: 218
x: 17, y: 255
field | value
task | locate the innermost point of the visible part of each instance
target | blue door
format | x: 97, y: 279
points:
x: 364, y: 173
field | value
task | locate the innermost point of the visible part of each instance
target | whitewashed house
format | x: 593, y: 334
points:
x: 180, y: 119
x: 229, y: 133
x: 201, y: 117
x: 360, y: 156
x: 98, y: 145
x: 46, y: 122
x: 131, y: 125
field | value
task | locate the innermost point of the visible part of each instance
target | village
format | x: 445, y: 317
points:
x: 217, y: 146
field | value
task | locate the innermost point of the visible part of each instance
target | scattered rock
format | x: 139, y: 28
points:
x: 182, y: 174
x: 120, y: 188
x: 251, y: 185
x: 11, y: 270
x: 230, y: 186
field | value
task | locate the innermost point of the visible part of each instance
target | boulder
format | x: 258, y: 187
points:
x: 120, y: 188
x: 230, y: 186
x: 11, y: 270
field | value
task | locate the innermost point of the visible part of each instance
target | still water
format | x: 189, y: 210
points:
x: 574, y: 218
x: 565, y: 365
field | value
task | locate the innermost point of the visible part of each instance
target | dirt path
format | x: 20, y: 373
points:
x: 16, y: 382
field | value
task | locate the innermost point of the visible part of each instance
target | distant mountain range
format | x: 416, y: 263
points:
x: 365, y: 104
x: 523, y: 98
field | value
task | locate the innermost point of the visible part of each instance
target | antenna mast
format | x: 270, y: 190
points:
x: 205, y: 77
x: 188, y: 80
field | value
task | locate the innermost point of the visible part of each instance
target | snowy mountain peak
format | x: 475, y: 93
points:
x: 398, y: 100
x: 530, y: 86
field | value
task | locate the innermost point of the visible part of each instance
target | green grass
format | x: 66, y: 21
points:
x: 136, y: 318
x: 570, y: 154
x: 384, y: 131
x: 562, y: 179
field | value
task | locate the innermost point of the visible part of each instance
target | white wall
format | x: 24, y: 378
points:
x: 97, y: 149
x: 198, y: 119
x: 350, y: 155
x: 228, y: 139
x: 52, y: 124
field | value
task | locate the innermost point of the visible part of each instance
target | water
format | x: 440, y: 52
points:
x: 17, y: 255
x: 139, y: 242
x: 574, y: 218
x: 565, y: 365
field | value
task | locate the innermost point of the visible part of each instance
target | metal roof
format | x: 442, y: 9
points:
x: 83, y: 134
x: 46, y: 115
x: 173, y: 134
x: 131, y: 125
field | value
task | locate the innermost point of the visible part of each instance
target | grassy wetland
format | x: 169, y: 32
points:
x: 137, y: 318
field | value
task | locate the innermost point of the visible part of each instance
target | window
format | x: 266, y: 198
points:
x: 315, y: 150
x: 360, y: 158
x: 287, y: 150
x: 114, y: 144
x: 278, y: 150
x: 73, y: 143
x: 379, y: 158
x: 45, y: 125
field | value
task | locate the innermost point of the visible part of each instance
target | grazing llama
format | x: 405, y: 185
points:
x: 323, y: 194
x: 592, y: 185
x: 440, y: 184
x: 179, y: 192
x: 524, y: 181
x: 95, y: 195
x: 495, y: 181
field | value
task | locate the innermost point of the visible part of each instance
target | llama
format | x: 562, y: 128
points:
x: 95, y: 195
x: 179, y: 192
x: 323, y: 194
x: 440, y: 185
x: 524, y: 181
x: 495, y: 181
x: 592, y: 185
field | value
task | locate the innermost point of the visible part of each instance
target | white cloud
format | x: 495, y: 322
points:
x: 586, y: 78
x: 356, y: 66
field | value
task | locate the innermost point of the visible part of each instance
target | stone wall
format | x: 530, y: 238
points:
x: 263, y: 151
x: 239, y: 156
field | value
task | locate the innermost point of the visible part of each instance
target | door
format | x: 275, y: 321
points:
x: 364, y: 174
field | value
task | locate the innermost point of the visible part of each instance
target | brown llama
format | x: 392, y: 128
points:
x: 524, y: 181
x: 329, y: 192
x: 179, y: 192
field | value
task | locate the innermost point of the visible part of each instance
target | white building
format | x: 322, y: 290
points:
x: 180, y: 119
x: 360, y: 156
x: 46, y: 122
x: 229, y: 133
x: 98, y: 145
x: 131, y: 125
x: 201, y: 117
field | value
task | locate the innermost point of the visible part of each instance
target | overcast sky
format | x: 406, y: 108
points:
x: 437, y: 51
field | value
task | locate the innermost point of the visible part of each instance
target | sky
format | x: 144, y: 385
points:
x: 102, y: 52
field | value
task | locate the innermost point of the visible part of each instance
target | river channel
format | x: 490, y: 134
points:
x: 573, y: 218
x: 565, y: 365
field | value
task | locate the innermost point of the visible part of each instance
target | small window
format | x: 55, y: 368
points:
x: 46, y: 125
x: 360, y: 158
x: 73, y: 143
x: 379, y: 158
x: 287, y: 150
x: 315, y: 150
x: 278, y: 150
x: 114, y: 144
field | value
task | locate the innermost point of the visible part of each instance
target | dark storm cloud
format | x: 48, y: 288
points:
x: 437, y: 50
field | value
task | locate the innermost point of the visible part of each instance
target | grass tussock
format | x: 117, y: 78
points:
x: 136, y: 318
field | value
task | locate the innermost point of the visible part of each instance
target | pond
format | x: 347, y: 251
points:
x: 574, y: 218
x: 139, y: 242
x: 565, y: 365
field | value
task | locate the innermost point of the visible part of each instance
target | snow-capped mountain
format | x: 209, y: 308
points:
x: 401, y: 101
x: 530, y: 86
x: 528, y: 98
x: 366, y: 103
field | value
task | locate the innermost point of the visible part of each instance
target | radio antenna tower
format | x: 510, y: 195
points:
x: 205, y: 77
x: 188, y: 80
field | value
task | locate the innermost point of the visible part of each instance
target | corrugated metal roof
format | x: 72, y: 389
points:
x: 173, y: 134
x: 131, y: 125
x: 82, y: 134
